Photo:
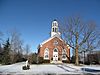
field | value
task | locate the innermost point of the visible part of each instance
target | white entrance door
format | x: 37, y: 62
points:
x: 55, y: 54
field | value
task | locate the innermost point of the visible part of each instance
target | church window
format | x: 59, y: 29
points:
x: 64, y: 54
x: 46, y: 53
x: 56, y: 30
x: 55, y: 43
x: 53, y: 30
x: 55, y: 24
x: 55, y: 50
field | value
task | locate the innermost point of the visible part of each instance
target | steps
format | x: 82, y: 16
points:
x: 56, y: 62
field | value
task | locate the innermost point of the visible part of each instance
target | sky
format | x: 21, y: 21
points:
x: 32, y: 18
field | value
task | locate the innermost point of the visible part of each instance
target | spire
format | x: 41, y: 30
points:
x: 54, y: 20
x: 54, y: 29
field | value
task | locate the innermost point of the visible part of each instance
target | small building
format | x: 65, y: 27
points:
x: 94, y: 57
x: 54, y: 49
x: 90, y: 57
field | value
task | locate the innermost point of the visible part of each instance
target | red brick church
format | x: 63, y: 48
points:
x: 54, y: 49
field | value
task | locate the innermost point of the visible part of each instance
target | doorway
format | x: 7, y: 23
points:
x: 55, y: 55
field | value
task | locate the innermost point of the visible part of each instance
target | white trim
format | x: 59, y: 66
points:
x: 64, y: 52
x: 46, y: 51
x: 49, y: 40
x: 55, y: 55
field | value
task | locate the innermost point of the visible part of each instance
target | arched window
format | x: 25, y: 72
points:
x: 55, y: 50
x: 53, y: 30
x: 64, y: 54
x: 64, y: 51
x: 46, y: 53
x: 54, y: 24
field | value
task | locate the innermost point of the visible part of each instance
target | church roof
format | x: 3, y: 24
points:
x: 49, y: 40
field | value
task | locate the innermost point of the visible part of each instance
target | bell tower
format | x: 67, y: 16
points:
x: 54, y: 29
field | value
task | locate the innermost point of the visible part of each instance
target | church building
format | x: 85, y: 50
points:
x: 54, y: 49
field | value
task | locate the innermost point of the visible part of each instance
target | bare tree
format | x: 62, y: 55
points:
x: 80, y: 35
x: 27, y: 49
x: 1, y: 34
x: 16, y: 45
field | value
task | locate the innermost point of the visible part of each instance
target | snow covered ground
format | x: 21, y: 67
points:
x: 47, y: 69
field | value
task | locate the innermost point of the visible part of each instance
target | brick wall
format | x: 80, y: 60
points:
x: 50, y: 45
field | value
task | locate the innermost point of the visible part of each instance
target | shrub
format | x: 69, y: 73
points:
x: 46, y: 61
x: 73, y: 59
x: 26, y: 67
x: 33, y: 58
x: 64, y: 61
x: 58, y: 58
x: 87, y: 62
x: 40, y: 60
x: 52, y: 58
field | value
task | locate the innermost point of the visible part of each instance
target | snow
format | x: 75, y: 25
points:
x: 47, y: 69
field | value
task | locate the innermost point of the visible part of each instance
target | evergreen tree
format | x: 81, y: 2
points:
x: 6, y: 53
x: 0, y: 54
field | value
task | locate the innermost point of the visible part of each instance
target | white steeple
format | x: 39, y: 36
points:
x: 54, y: 29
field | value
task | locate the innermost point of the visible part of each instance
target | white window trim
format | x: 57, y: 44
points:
x: 64, y: 53
x: 46, y: 51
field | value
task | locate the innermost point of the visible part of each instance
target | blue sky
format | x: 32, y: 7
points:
x: 32, y: 18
